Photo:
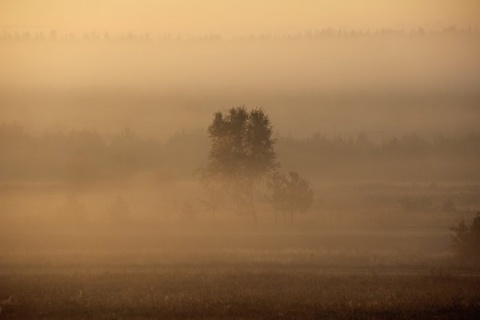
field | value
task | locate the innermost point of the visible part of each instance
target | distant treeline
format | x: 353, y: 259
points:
x: 86, y: 156
x: 54, y: 35
x: 408, y: 157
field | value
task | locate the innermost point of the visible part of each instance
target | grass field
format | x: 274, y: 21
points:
x: 348, y: 260
x: 256, y: 274
x: 239, y: 293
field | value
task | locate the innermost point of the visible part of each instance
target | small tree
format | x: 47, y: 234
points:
x: 290, y: 195
x: 466, y: 238
x: 241, y: 154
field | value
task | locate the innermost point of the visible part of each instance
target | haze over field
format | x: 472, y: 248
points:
x: 163, y: 148
x: 165, y: 66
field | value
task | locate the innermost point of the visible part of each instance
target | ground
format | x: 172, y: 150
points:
x: 257, y: 274
x: 240, y: 293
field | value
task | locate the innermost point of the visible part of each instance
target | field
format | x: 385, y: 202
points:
x: 251, y: 273
x: 364, y: 252
x: 241, y: 293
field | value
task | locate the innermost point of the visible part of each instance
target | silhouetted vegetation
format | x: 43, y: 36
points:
x: 466, y: 238
x: 309, y: 35
x: 409, y: 156
x: 242, y: 153
x: 84, y: 156
x: 290, y: 194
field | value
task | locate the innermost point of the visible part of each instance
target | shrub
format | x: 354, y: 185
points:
x: 466, y: 238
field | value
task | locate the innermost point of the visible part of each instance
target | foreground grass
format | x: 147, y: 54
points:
x: 238, y: 293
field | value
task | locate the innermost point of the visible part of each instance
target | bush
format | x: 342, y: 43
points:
x: 466, y: 238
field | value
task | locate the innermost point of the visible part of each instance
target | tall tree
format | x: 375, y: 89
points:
x: 242, y: 153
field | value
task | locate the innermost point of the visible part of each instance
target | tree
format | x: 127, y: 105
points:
x: 290, y: 195
x: 242, y: 153
x: 466, y: 238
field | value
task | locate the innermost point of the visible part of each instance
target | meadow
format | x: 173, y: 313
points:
x: 239, y: 292
x: 364, y: 251
x: 253, y: 272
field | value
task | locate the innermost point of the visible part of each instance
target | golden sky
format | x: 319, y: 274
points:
x: 233, y: 16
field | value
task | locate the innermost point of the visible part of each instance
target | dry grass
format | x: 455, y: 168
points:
x: 240, y: 293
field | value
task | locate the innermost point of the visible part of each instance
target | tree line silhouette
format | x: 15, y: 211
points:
x: 86, y: 155
x: 317, y: 34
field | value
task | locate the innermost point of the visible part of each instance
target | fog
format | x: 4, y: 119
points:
x: 90, y: 118
x: 400, y: 82
x: 110, y: 158
x: 266, y: 63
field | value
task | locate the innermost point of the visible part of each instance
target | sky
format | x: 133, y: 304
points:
x: 233, y: 17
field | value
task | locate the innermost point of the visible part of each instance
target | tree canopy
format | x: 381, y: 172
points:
x: 242, y: 146
x: 242, y: 153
